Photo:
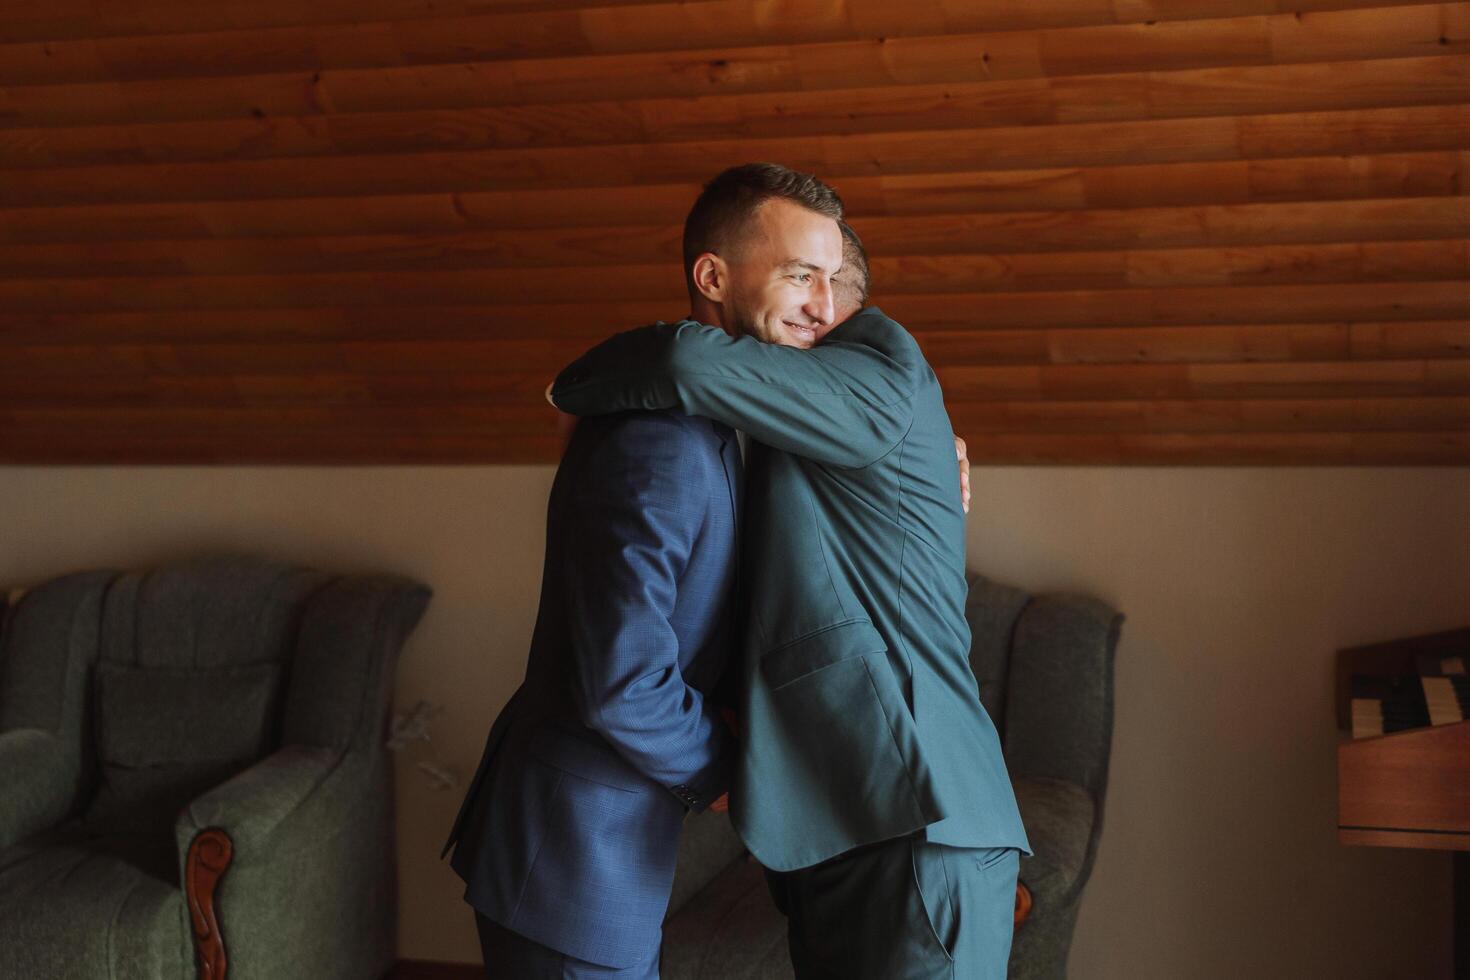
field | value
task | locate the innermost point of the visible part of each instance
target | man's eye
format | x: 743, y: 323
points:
x: 803, y: 277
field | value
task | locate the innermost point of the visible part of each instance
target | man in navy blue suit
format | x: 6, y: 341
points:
x: 567, y: 836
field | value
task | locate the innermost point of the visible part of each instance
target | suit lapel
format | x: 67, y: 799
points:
x: 730, y: 459
x: 734, y: 481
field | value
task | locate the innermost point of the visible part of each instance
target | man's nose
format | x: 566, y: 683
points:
x: 819, y: 304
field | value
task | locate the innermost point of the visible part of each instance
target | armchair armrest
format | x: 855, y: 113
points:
x: 1061, y: 820
x: 37, y: 780
x: 259, y: 806
x: 243, y: 845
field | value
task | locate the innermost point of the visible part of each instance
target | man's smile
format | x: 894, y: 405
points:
x: 803, y: 334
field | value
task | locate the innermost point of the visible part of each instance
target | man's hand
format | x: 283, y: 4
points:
x: 963, y: 455
x: 732, y: 721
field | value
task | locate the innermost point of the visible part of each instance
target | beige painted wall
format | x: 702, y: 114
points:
x: 1219, y: 859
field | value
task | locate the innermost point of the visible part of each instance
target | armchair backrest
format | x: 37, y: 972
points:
x: 346, y: 654
x: 1060, y: 691
x: 190, y: 682
x: 198, y: 615
x: 48, y: 643
x: 992, y: 610
x: 1045, y: 663
x: 170, y: 680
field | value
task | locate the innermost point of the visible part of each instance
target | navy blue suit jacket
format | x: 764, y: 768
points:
x: 569, y: 830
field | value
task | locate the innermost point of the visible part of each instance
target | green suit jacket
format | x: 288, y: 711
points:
x: 861, y: 719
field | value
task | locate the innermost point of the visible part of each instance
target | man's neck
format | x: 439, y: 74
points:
x: 712, y: 313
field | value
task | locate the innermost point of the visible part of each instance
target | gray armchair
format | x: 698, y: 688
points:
x: 1045, y: 669
x: 193, y: 773
x: 722, y: 924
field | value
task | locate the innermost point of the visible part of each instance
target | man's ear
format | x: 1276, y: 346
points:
x: 711, y: 277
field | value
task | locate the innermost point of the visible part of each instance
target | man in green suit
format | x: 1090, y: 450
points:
x: 871, y: 779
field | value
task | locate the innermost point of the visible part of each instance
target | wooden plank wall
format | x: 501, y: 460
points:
x: 1126, y: 231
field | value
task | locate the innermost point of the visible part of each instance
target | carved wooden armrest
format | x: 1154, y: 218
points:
x: 1023, y: 904
x: 269, y: 808
x: 208, y: 859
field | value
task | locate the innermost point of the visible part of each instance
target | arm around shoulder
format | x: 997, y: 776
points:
x: 846, y: 402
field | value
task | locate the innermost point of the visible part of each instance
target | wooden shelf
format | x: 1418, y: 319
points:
x: 1407, y: 789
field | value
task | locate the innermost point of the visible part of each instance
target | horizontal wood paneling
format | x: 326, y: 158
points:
x: 1182, y: 344
x: 372, y: 322
x: 1329, y: 415
x: 1067, y: 382
x: 1176, y: 307
x: 47, y: 20
x: 1323, y: 180
x: 777, y: 71
x: 589, y: 24
x: 1449, y: 414
x: 346, y: 385
x: 1251, y: 228
x: 369, y: 317
x: 1225, y: 449
x: 420, y: 350
x: 1219, y: 92
x: 340, y: 443
x: 1193, y: 231
x: 413, y: 354
x: 344, y: 389
x: 1250, y: 271
x: 1076, y: 145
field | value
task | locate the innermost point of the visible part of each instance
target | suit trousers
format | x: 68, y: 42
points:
x: 903, y: 909
x: 510, y: 956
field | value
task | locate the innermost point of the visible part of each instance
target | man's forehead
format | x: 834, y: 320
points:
x: 778, y: 219
x: 807, y: 265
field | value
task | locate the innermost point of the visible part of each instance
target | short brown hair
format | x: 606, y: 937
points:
x: 725, y: 206
x: 854, y: 274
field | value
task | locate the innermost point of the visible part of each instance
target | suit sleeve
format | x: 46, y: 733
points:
x: 846, y: 402
x: 636, y: 519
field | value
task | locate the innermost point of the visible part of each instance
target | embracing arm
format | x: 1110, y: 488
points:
x: 637, y: 510
x: 846, y: 402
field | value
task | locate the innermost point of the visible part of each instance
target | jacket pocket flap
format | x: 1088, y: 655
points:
x: 593, y: 762
x: 794, y: 660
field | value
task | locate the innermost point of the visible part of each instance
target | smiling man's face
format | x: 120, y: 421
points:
x: 780, y: 275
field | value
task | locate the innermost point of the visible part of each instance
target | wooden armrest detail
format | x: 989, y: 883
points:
x: 208, y: 859
x: 1023, y: 904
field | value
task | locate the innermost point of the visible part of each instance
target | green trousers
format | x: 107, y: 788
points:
x: 903, y: 909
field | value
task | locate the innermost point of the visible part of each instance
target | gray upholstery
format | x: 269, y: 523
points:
x: 234, y: 693
x: 48, y: 643
x: 1059, y: 815
x: 1044, y: 665
x: 81, y: 907
x: 992, y: 610
x: 1059, y: 691
x: 148, y: 723
x: 727, y: 931
x: 709, y: 845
